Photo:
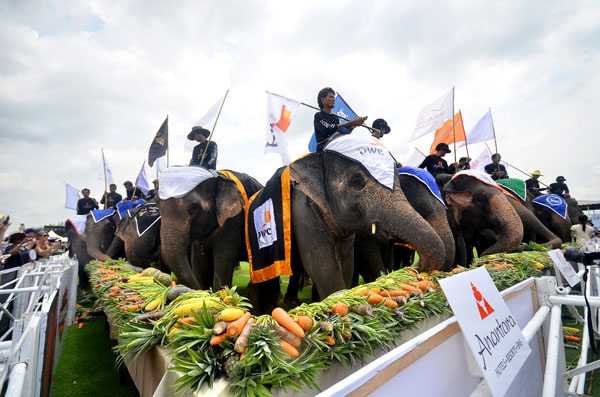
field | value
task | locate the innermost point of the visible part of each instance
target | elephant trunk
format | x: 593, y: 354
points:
x: 395, y: 216
x: 439, y: 222
x: 508, y: 226
x: 116, y: 249
x: 175, y: 246
x: 94, y: 241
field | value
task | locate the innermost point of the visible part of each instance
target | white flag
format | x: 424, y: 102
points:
x: 72, y: 197
x: 415, y: 159
x: 109, y: 176
x: 481, y: 161
x: 142, y: 180
x: 160, y: 164
x: 205, y: 121
x: 483, y: 130
x: 280, y: 112
x: 433, y: 115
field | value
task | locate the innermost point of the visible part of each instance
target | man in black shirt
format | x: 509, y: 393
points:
x: 437, y: 166
x: 463, y: 164
x: 208, y: 160
x: 112, y: 198
x: 533, y: 185
x: 152, y: 193
x: 495, y: 169
x: 86, y: 204
x: 560, y: 187
x: 327, y: 124
x: 130, y: 191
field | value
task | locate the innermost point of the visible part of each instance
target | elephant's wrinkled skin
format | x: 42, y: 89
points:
x: 141, y: 251
x: 100, y: 238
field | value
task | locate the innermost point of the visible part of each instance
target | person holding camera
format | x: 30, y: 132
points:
x: 44, y: 248
x: 18, y: 249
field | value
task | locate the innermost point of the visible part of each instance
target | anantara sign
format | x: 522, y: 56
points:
x: 488, y: 326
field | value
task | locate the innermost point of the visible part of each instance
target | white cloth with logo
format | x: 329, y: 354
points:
x: 482, y: 176
x: 370, y: 152
x: 176, y: 182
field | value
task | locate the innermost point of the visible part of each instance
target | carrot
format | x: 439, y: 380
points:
x: 113, y: 294
x: 572, y: 338
x: 132, y: 308
x: 286, y: 321
x: 499, y: 267
x: 289, y: 349
x: 394, y: 292
x: 305, y: 322
x: 243, y: 353
x: 423, y: 285
x: 330, y: 340
x: 340, y: 308
x: 236, y: 327
x: 188, y: 320
x: 80, y: 325
x: 97, y: 286
x: 374, y: 298
x: 391, y: 303
x: 173, y: 283
x: 409, y: 287
x: 115, y: 288
x: 217, y: 339
x: 133, y: 299
x: 347, y: 336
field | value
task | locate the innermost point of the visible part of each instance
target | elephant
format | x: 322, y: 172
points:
x: 333, y: 198
x: 78, y: 248
x: 141, y: 251
x: 372, y: 257
x: 100, y: 238
x: 202, y: 233
x: 535, y: 229
x: 573, y: 210
x: 483, y: 216
x: 558, y: 225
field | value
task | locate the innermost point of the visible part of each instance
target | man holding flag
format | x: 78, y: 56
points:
x: 206, y: 152
x: 327, y: 124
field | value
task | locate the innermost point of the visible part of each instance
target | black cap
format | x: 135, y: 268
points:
x: 443, y: 146
x: 197, y: 129
x: 382, y: 125
x: 16, y: 237
x: 30, y: 230
x: 560, y: 179
x: 127, y: 183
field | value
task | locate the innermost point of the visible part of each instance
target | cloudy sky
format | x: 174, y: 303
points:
x: 76, y: 77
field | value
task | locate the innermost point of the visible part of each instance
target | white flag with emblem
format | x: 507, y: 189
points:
x: 280, y: 112
x: 433, y: 115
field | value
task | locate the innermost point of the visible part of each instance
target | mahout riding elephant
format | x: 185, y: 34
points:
x: 483, y: 217
x: 332, y: 199
x: 202, y: 232
x: 141, y: 250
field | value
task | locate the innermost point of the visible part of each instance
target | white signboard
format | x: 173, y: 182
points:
x: 564, y: 267
x: 488, y: 326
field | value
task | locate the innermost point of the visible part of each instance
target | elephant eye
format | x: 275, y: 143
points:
x: 357, y: 182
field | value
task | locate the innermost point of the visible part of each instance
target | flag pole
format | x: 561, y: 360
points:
x: 453, y: 127
x: 167, y: 144
x: 521, y: 171
x: 466, y: 143
x: 105, y: 180
x: 213, y: 128
x: 494, y: 131
x: 420, y: 151
x: 341, y: 117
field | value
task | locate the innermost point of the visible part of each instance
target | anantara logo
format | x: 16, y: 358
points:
x: 482, y: 304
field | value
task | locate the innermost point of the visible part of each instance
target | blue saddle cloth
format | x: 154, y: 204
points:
x: 124, y: 206
x: 554, y: 202
x: 98, y: 215
x: 425, y: 178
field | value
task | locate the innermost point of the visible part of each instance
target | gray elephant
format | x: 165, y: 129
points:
x: 558, y: 225
x: 332, y: 199
x: 78, y: 249
x: 202, y: 232
x: 139, y: 233
x: 100, y: 240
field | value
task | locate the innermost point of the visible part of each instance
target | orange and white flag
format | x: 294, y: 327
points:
x: 280, y: 112
x: 446, y: 133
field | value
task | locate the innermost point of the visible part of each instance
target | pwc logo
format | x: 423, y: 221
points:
x: 482, y: 304
x: 264, y: 224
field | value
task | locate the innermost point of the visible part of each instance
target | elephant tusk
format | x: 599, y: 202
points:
x: 373, y: 228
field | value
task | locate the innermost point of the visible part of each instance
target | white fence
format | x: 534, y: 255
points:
x: 37, y: 306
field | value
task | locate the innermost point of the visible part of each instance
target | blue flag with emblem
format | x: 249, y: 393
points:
x: 554, y: 202
x: 341, y: 109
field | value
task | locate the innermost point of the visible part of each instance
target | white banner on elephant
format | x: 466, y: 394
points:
x: 280, y: 112
x: 433, y: 115
x: 178, y: 181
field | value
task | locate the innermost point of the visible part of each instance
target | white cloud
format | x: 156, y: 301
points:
x: 77, y: 77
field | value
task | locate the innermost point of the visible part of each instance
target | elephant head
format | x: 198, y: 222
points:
x: 477, y: 206
x: 573, y: 210
x: 197, y: 216
x: 100, y: 235
x: 351, y: 199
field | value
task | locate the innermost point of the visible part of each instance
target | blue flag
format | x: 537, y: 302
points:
x: 342, y: 109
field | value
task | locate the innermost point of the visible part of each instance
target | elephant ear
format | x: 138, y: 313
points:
x: 308, y: 176
x: 229, y: 200
x: 460, y: 200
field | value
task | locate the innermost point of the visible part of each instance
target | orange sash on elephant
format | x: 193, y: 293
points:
x: 268, y: 229
x: 238, y: 183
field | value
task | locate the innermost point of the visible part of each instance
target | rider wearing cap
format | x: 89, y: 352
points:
x: 533, y: 185
x: 208, y: 160
x: 382, y: 128
x: 560, y: 187
x: 437, y: 166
